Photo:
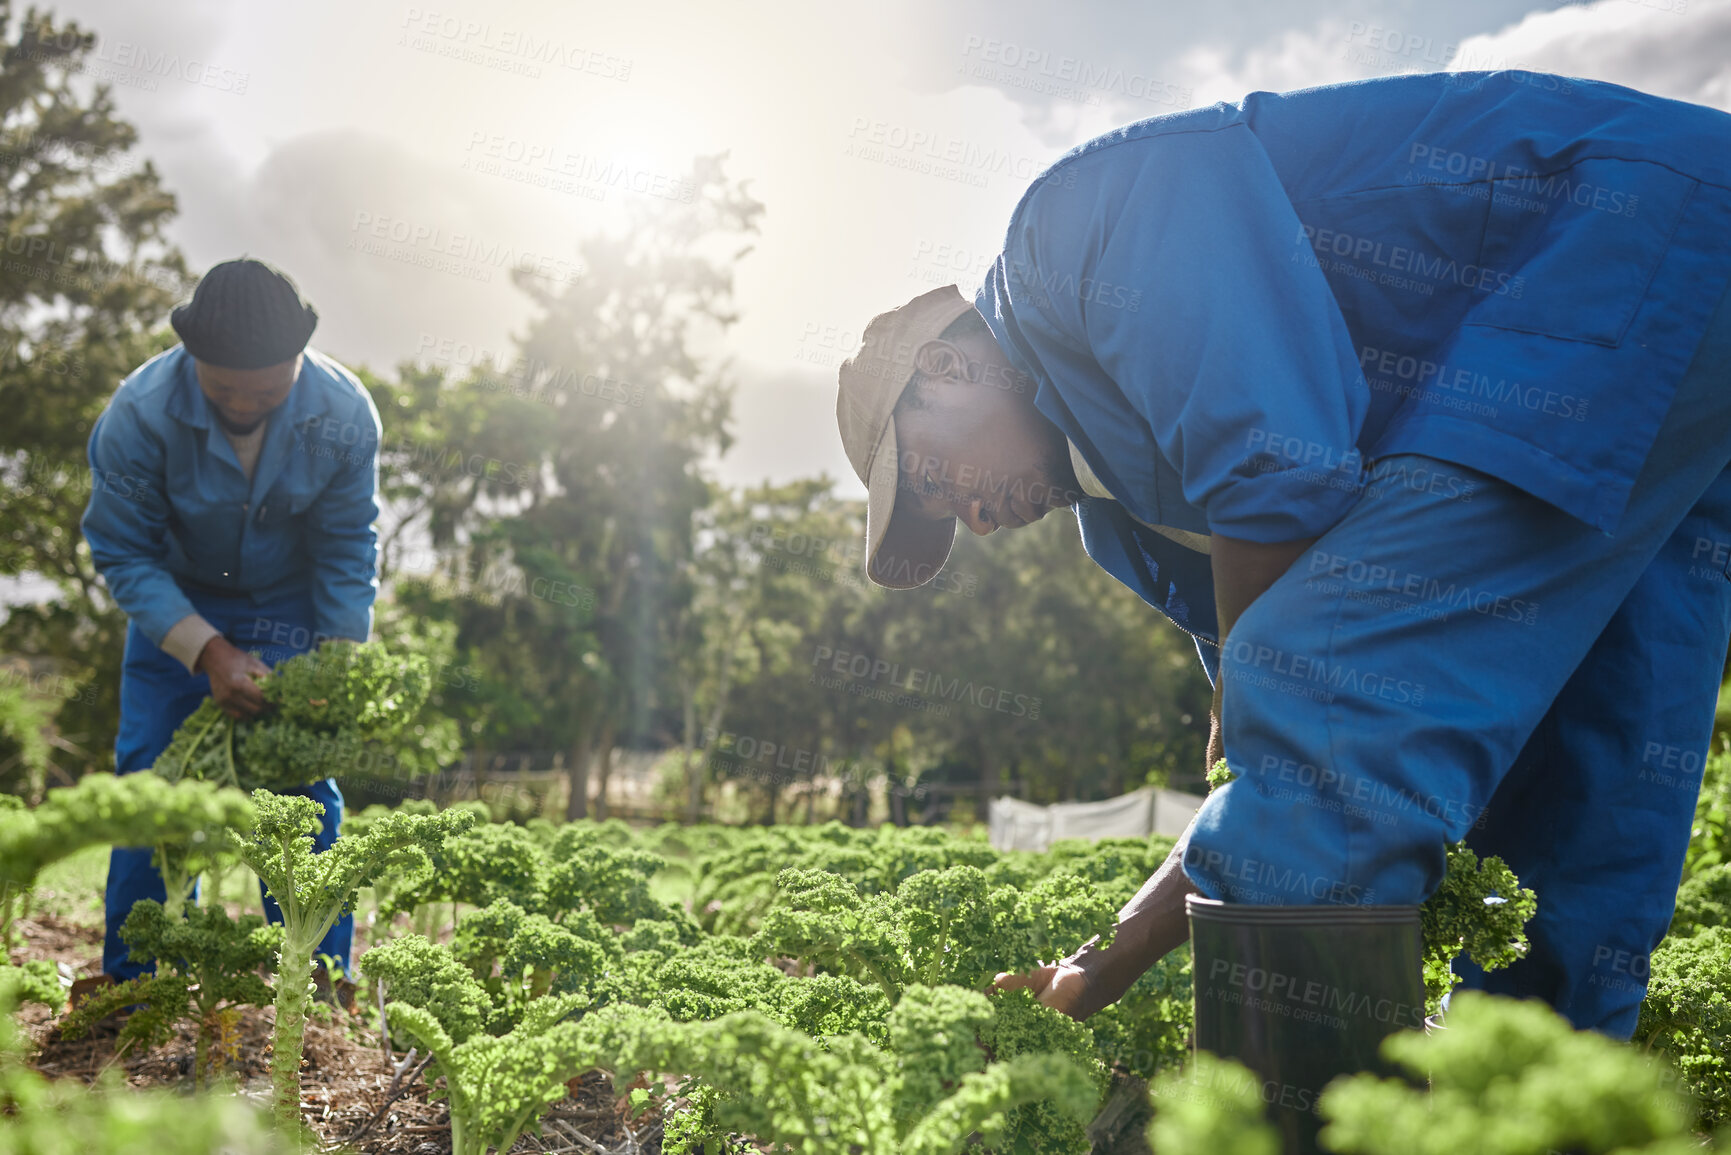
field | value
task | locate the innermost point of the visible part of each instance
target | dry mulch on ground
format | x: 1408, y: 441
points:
x: 346, y: 1078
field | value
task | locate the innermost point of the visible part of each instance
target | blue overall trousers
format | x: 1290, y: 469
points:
x: 156, y: 696
x: 1439, y: 668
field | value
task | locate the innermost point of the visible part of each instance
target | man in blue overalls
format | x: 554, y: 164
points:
x: 1418, y: 392
x: 246, y: 525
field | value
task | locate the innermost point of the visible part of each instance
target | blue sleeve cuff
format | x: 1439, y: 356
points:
x: 357, y: 626
x: 1286, y: 505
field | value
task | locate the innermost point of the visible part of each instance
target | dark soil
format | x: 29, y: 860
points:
x: 346, y: 1078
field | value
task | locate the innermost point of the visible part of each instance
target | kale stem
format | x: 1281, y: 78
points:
x: 291, y: 1018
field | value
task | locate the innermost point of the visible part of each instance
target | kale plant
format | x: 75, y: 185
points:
x: 1508, y: 1077
x: 1686, y: 1016
x: 131, y: 810
x: 206, y: 970
x: 313, y: 890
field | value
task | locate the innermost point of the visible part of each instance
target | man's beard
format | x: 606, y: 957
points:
x: 241, y: 430
x: 1054, y: 472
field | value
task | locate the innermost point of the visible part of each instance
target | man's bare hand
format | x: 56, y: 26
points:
x: 233, y: 678
x: 1059, y: 986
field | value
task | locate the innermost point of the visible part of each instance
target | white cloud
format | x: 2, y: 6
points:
x: 346, y: 113
x: 1675, y: 48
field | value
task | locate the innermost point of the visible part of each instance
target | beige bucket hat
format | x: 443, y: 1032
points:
x: 906, y: 551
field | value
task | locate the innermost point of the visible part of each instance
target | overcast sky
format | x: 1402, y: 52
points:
x: 292, y: 131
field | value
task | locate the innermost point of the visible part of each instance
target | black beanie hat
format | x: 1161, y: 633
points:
x: 244, y: 314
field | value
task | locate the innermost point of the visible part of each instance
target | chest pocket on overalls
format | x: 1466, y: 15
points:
x: 1570, y: 254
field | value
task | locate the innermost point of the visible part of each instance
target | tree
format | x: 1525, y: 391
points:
x: 86, y: 280
x: 564, y: 559
x: 753, y: 602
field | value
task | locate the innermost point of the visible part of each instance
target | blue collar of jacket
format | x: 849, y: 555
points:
x: 187, y: 404
x: 1174, y: 579
x: 308, y: 401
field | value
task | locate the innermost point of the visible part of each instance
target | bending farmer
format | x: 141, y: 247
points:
x: 1411, y: 400
x: 231, y: 510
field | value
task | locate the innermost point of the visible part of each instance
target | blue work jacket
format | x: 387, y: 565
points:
x: 1231, y: 310
x: 171, y: 510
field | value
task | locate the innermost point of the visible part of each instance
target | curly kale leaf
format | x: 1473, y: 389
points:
x: 948, y: 925
x: 1021, y: 1026
x: 904, y: 851
x: 314, y: 889
x: 791, y: 1093
x: 1219, y: 775
x: 1703, y: 901
x: 610, y: 882
x: 989, y: 1102
x: 1049, y: 919
x: 498, y: 1086
x: 518, y: 957
x: 1211, y: 1105
x: 202, y: 748
x: 1507, y: 1077
x: 1480, y: 910
x: 1148, y: 1030
x: 489, y: 862
x: 947, y: 921
x: 822, y: 919
x: 336, y: 708
x: 1687, y: 1016
x: 1710, y: 836
x: 826, y: 1005
x: 933, y: 1036
x: 426, y: 975
x: 35, y: 981
x: 133, y: 810
x: 719, y: 976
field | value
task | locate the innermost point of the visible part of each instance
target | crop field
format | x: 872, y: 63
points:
x: 589, y: 986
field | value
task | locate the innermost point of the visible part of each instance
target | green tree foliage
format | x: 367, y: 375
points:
x: 568, y: 593
x: 134, y: 810
x: 207, y: 967
x: 313, y: 890
x: 751, y: 606
x: 88, y: 278
x: 25, y: 750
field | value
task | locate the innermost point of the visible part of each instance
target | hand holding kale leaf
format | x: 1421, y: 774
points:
x: 324, y: 709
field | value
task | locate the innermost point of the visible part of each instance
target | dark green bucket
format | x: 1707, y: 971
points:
x: 1302, y: 994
